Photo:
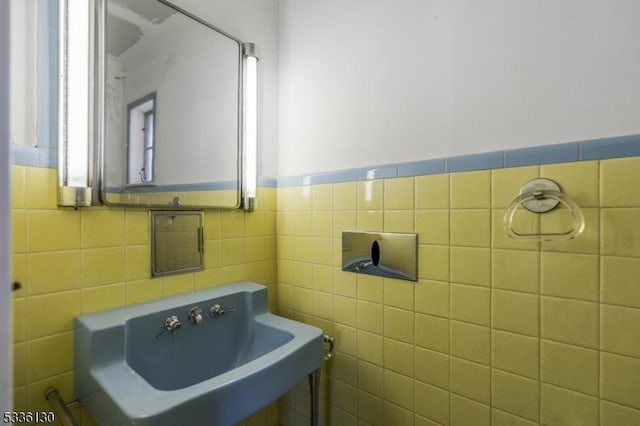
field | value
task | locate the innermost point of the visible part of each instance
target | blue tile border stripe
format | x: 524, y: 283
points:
x: 621, y: 146
x: 594, y: 149
x: 267, y: 182
x: 562, y: 153
x: 417, y: 168
x: 33, y: 156
x: 463, y: 163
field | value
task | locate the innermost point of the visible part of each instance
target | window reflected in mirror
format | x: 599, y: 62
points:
x: 141, y: 125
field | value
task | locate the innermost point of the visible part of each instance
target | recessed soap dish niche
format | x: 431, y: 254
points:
x: 177, y: 242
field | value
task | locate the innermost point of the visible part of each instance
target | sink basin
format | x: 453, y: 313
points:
x: 130, y: 369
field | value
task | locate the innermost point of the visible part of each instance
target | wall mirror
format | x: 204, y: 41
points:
x: 171, y: 101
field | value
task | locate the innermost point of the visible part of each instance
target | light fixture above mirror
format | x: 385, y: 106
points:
x: 162, y: 112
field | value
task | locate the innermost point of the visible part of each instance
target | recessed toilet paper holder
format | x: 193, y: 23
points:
x: 386, y: 254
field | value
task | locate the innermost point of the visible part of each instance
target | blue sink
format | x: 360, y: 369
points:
x: 131, y: 370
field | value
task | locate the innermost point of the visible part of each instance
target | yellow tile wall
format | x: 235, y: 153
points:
x: 72, y: 262
x: 496, y: 331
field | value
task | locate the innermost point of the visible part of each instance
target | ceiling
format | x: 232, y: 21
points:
x: 128, y: 20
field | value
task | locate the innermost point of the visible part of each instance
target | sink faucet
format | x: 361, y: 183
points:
x: 217, y: 310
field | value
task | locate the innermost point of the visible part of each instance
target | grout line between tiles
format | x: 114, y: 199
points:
x: 599, y: 314
x: 539, y: 337
x: 450, y: 184
x: 491, y: 237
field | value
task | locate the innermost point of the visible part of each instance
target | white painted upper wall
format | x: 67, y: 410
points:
x: 22, y: 71
x: 368, y: 82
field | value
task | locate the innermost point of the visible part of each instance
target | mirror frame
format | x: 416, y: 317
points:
x: 94, y: 191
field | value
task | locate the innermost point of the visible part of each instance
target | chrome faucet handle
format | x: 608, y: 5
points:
x: 171, y: 323
x: 195, y: 315
x: 217, y: 310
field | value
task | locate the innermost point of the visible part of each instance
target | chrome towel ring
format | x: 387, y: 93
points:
x: 542, y: 196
